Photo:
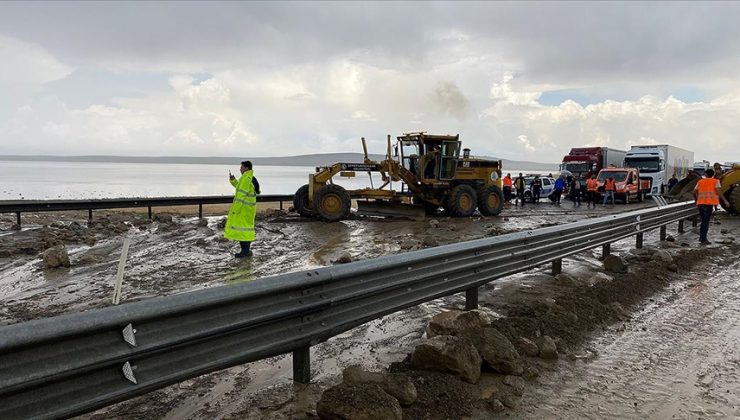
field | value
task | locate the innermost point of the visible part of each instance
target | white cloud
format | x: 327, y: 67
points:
x: 24, y: 63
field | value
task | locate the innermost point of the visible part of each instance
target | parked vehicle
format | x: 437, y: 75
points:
x: 657, y: 163
x: 588, y: 161
x: 627, y: 181
x: 548, y: 184
x: 700, y: 167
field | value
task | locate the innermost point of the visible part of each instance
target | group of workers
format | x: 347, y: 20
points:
x: 574, y: 188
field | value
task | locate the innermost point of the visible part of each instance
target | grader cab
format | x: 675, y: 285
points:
x: 430, y: 172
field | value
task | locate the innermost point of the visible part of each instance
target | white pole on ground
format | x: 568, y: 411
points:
x: 119, y: 274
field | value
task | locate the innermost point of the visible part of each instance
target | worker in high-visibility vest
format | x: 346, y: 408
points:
x: 609, y: 188
x: 592, y: 188
x: 707, y: 194
x: 507, y: 188
x: 240, y: 221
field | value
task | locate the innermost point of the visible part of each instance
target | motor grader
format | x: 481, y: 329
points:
x: 729, y: 178
x: 431, y: 174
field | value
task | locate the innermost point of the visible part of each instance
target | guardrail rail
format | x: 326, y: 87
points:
x: 75, y: 363
x: 32, y: 206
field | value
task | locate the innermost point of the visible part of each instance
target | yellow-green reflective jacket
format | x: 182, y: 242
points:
x: 240, y: 221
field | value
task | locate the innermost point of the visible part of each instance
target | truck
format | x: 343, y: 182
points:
x: 658, y: 163
x: 627, y: 181
x: 588, y: 161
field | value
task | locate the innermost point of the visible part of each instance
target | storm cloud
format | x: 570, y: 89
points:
x: 522, y: 80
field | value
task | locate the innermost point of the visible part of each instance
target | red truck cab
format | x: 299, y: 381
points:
x: 627, y: 182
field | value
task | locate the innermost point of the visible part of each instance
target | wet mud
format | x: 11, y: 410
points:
x: 601, y: 327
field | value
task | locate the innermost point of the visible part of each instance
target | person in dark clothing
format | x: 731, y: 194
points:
x: 536, y: 189
x: 575, y: 190
x: 672, y: 182
x: 520, y: 184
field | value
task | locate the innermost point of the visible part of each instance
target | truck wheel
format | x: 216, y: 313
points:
x: 331, y: 203
x: 490, y: 201
x: 462, y: 201
x: 300, y: 202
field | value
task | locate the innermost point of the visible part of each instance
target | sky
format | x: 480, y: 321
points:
x: 516, y: 80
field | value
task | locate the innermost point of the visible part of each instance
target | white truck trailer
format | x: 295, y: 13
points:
x: 657, y: 163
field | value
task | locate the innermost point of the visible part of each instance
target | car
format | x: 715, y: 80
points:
x: 547, y: 186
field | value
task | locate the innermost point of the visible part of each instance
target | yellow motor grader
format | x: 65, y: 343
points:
x: 431, y: 174
x: 729, y: 178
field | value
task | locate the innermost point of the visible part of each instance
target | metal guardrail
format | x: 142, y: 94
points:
x: 31, y: 206
x: 75, y: 363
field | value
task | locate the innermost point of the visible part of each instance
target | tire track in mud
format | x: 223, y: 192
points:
x: 679, y: 358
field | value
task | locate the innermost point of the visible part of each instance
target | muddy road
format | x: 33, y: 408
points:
x: 673, y: 352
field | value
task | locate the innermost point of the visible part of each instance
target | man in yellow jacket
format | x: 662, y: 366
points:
x: 240, y: 221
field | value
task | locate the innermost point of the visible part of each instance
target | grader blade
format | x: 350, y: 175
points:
x: 389, y: 209
x: 684, y: 189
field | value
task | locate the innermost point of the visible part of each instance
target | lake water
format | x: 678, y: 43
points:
x: 91, y: 180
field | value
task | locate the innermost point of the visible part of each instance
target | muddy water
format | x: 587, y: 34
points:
x: 679, y: 358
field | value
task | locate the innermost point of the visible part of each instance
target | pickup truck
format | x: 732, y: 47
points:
x: 627, y: 181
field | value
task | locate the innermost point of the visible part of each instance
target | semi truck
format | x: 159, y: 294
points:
x: 658, y: 163
x: 588, y: 161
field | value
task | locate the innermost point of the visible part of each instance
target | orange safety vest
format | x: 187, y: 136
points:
x: 507, y: 181
x: 592, y: 185
x: 707, y: 192
x: 609, y: 185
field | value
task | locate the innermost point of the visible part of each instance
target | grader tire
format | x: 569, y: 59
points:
x: 331, y: 203
x: 490, y: 201
x: 462, y: 201
x: 733, y: 196
x: 300, y: 202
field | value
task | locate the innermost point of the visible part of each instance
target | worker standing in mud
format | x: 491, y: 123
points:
x: 507, y: 188
x: 707, y: 194
x: 520, y: 185
x: 575, y: 190
x: 592, y: 188
x: 557, y: 191
x: 536, y: 189
x: 609, y: 188
x: 240, y: 221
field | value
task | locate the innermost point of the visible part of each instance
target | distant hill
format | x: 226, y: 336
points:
x: 301, y: 160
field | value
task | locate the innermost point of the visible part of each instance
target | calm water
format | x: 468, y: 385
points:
x: 86, y: 180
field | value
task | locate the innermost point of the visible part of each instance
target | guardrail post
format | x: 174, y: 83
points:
x: 606, y: 249
x: 18, y: 218
x: 281, y: 204
x: 638, y: 240
x: 302, y: 365
x: 200, y: 210
x: 89, y: 215
x: 471, y: 299
x: 694, y: 221
x: 557, y: 267
x: 680, y: 226
x: 663, y: 233
x: 149, y: 209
